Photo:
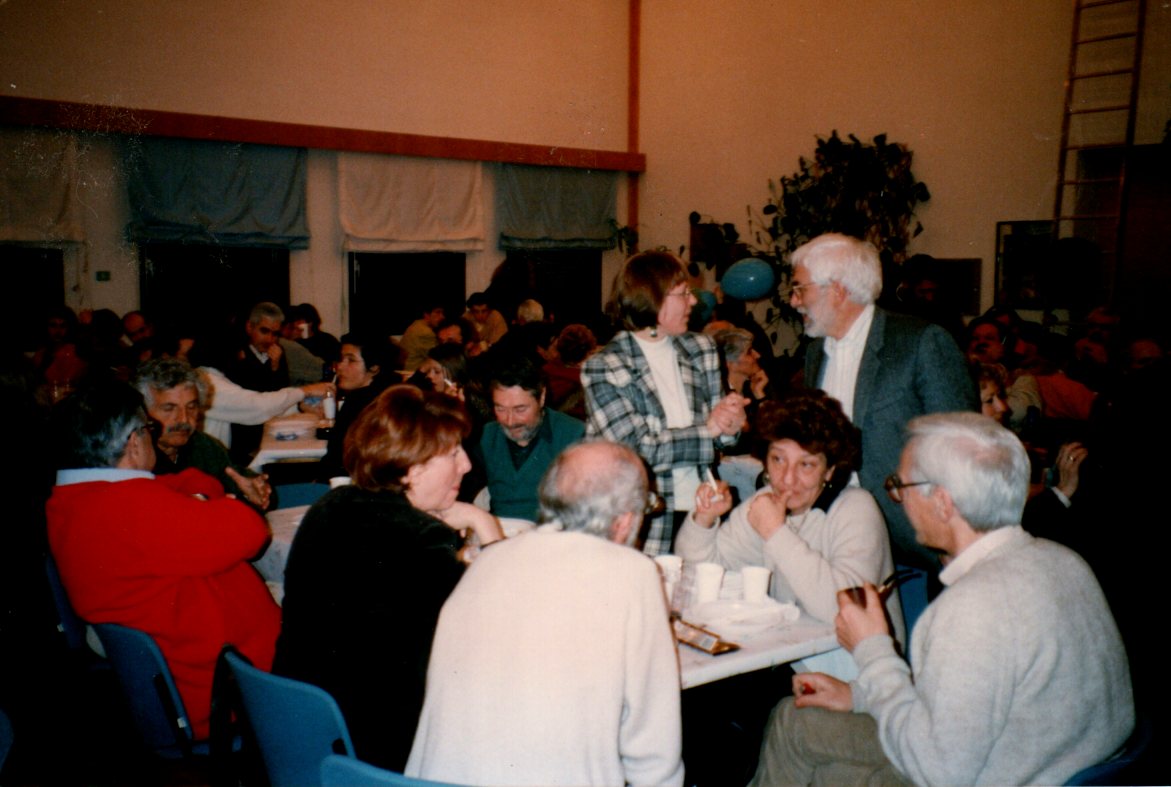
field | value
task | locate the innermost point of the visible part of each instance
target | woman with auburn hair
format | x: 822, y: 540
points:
x: 372, y: 564
x: 656, y: 387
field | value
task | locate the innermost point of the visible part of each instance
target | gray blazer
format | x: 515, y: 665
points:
x: 909, y: 368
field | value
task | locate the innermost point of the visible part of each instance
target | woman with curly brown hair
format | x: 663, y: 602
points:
x: 816, y: 534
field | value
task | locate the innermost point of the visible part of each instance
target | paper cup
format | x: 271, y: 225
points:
x: 755, y: 583
x: 708, y: 577
x: 671, y: 570
x: 339, y: 480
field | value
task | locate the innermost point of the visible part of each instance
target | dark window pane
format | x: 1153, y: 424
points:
x: 34, y: 282
x: 387, y: 291
x: 202, y: 285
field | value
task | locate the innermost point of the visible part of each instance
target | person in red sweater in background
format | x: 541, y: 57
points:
x: 166, y: 555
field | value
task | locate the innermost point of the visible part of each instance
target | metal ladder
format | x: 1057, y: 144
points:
x: 1097, y: 130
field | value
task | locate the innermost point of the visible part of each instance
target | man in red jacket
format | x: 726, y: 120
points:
x: 166, y: 555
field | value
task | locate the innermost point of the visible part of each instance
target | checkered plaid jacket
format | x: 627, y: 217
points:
x: 623, y: 405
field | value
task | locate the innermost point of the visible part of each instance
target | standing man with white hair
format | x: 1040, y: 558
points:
x: 884, y: 368
x: 553, y: 660
x: 1020, y: 676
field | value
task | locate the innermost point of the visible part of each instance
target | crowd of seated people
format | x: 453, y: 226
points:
x: 491, y: 403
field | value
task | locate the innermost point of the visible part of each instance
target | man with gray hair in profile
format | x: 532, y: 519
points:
x: 553, y: 660
x: 1020, y: 676
x: 176, y: 396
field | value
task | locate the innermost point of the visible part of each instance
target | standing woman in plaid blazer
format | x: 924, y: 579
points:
x: 656, y: 388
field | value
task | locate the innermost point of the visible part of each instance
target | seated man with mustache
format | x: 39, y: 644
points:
x: 176, y: 395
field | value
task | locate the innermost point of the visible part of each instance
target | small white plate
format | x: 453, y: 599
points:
x: 732, y: 619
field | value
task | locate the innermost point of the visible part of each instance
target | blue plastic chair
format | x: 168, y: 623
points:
x: 159, y: 716
x: 1123, y: 766
x: 5, y: 737
x: 292, y: 495
x: 296, y: 725
x: 68, y: 622
x: 338, y: 771
x: 912, y: 598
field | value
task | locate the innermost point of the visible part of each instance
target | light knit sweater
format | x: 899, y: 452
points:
x: 812, y: 557
x: 553, y: 664
x: 1020, y: 673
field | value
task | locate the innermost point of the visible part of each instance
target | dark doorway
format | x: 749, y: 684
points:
x: 34, y: 282
x: 568, y: 283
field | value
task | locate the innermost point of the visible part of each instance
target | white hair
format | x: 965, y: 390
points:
x: 575, y: 494
x: 530, y: 311
x: 982, y: 465
x: 851, y: 262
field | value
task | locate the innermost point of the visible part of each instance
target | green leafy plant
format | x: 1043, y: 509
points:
x: 863, y: 189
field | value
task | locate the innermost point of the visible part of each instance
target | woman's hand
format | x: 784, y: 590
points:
x: 767, y: 513
x: 711, y: 504
x: 727, y: 417
x: 464, y: 516
x: 1069, y: 460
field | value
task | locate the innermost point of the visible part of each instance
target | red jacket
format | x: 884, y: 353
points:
x: 148, y: 554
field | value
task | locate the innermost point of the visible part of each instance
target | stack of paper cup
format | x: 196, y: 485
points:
x: 671, y: 568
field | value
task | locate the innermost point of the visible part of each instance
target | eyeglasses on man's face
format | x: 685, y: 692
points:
x: 797, y: 290
x: 894, y: 486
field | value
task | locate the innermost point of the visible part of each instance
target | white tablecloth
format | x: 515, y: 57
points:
x: 305, y: 446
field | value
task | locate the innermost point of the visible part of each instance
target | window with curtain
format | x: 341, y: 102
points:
x: 194, y: 191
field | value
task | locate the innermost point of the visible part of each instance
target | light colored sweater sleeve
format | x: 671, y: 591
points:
x: 231, y: 404
x: 939, y: 728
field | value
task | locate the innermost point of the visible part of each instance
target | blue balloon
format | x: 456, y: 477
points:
x: 706, y: 303
x: 749, y: 279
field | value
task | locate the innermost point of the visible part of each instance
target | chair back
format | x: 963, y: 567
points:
x: 293, y: 495
x: 68, y: 623
x: 296, y: 725
x: 149, y: 689
x: 1123, y: 767
x: 912, y: 598
x: 5, y: 737
x: 337, y: 771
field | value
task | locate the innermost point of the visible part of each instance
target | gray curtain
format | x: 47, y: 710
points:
x: 191, y: 191
x: 555, y: 208
x: 39, y: 187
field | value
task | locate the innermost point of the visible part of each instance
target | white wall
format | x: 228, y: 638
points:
x: 732, y: 93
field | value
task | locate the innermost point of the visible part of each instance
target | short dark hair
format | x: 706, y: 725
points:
x: 374, y: 350
x: 90, y: 428
x: 815, y: 422
x: 403, y: 427
x: 1001, y: 331
x: 516, y: 370
x: 306, y: 312
x: 478, y: 299
x: 641, y: 287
